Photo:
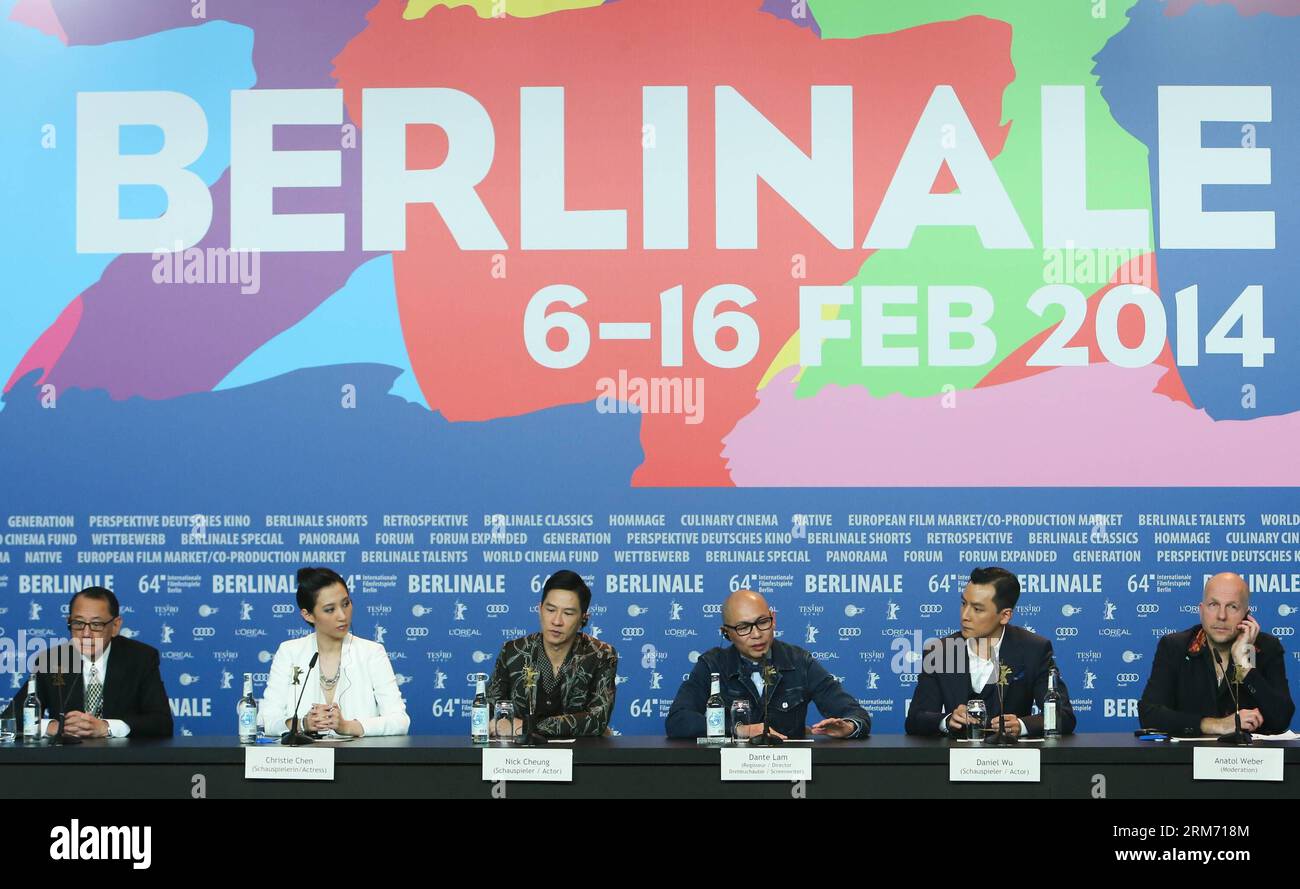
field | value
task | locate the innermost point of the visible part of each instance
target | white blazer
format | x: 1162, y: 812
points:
x: 367, y: 689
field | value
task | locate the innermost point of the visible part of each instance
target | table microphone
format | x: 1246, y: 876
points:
x: 1238, y: 737
x: 293, y: 737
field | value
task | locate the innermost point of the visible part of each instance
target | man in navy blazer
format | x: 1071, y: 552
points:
x: 964, y: 666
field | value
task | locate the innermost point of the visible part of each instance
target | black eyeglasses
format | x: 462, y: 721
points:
x: 95, y: 626
x: 744, y: 629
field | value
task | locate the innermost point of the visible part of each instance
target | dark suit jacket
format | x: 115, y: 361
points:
x: 133, y: 689
x: 803, y: 680
x: 944, y: 683
x: 1182, y: 687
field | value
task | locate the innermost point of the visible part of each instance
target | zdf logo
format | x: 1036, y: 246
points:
x: 1066, y: 632
x: 416, y: 632
x: 203, y: 632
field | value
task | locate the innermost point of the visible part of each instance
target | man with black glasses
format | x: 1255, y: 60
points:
x: 745, y: 668
x: 105, y: 686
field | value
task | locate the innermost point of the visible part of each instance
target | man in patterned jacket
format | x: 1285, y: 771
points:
x: 563, y: 675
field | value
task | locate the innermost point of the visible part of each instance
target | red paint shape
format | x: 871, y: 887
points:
x: 463, y: 327
x: 45, y: 352
x: 1142, y: 271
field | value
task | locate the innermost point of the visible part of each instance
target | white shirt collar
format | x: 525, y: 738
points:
x: 997, y: 648
x: 100, y: 663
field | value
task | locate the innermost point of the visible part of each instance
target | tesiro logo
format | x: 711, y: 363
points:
x: 89, y: 843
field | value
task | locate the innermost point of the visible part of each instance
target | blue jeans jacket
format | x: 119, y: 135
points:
x: 803, y: 680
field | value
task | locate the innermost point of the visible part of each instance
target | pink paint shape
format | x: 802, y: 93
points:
x: 1245, y: 7
x: 40, y: 16
x: 1095, y: 426
x: 45, y: 352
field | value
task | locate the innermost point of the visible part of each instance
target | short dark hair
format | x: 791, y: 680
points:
x: 311, y: 581
x: 99, y: 593
x: 1006, y: 586
x: 569, y: 580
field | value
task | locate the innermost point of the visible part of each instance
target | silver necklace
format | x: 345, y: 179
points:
x: 328, y: 682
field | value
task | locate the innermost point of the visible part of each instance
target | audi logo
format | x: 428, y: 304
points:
x: 414, y: 632
x: 1126, y: 677
x: 1148, y: 608
x: 471, y: 677
x: 632, y: 632
x: 850, y: 632
x: 1063, y: 632
x: 712, y: 609
x: 498, y: 609
x: 1283, y: 631
x: 931, y: 609
x: 201, y: 632
x: 281, y: 608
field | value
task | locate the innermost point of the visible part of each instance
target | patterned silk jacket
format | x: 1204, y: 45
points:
x: 586, y: 684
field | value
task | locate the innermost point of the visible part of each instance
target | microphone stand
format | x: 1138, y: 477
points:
x: 1238, y: 738
x: 530, y: 736
x: 771, y: 676
x: 295, y: 737
x: 1001, y: 739
x: 60, y: 739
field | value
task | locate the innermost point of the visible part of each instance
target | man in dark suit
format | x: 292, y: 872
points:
x: 109, y: 686
x: 965, y: 665
x: 1190, y: 691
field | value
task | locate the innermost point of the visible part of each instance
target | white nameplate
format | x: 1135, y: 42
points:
x: 289, y: 763
x: 766, y: 764
x: 997, y: 764
x: 1236, y: 764
x: 527, y: 764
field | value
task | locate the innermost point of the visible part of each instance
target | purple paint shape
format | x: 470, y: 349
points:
x: 796, y: 11
x: 138, y: 337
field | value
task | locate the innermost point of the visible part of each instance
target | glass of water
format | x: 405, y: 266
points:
x: 503, y: 721
x: 8, y: 729
x: 741, y: 716
x: 978, y: 714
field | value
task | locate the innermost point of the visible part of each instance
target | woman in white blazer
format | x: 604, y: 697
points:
x: 352, y: 689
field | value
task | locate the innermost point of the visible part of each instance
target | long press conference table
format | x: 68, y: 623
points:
x: 889, y: 766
